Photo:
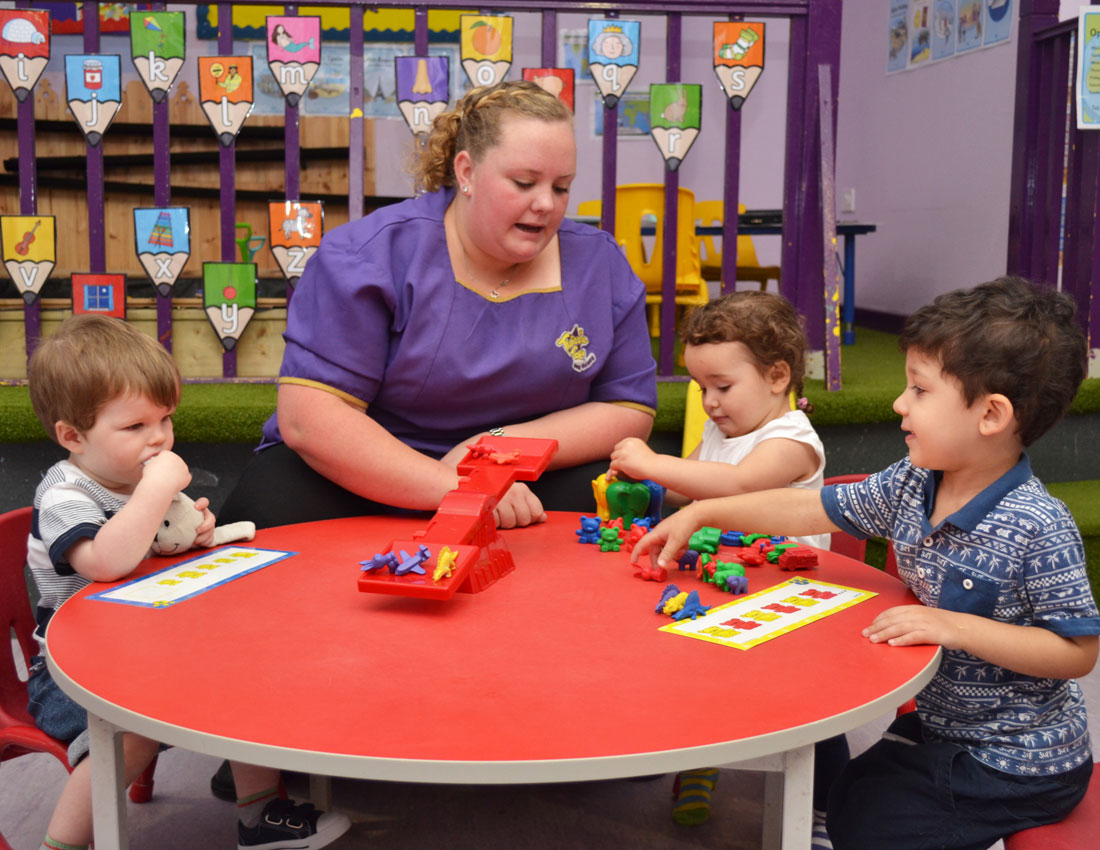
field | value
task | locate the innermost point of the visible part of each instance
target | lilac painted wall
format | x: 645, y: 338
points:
x: 928, y: 152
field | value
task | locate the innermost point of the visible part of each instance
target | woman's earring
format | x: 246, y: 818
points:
x: 465, y: 190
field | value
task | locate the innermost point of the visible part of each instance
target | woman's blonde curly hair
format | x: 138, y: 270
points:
x: 474, y: 126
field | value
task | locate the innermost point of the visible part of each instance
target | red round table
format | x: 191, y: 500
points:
x: 558, y: 672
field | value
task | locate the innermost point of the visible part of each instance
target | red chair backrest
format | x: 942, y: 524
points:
x: 852, y: 547
x: 15, y: 615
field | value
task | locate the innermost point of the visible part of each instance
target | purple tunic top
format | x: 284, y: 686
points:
x: 379, y: 319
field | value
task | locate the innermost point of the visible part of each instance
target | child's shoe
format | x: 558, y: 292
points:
x: 286, y: 825
x: 693, y: 789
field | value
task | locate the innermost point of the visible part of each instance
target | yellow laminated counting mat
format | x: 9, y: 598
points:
x: 185, y: 579
x: 752, y: 620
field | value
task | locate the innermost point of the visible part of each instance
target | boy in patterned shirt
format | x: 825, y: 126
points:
x: 999, y: 741
x: 106, y: 393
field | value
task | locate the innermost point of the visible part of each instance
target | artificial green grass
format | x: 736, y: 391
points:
x: 872, y: 376
x: 208, y: 413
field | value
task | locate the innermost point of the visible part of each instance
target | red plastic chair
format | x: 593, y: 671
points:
x: 1077, y: 831
x: 18, y: 734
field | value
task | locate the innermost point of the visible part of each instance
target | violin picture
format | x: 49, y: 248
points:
x: 23, y: 247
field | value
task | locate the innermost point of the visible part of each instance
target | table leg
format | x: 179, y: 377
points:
x: 788, y: 797
x: 320, y: 791
x: 798, y: 798
x: 108, y: 785
x: 849, y: 329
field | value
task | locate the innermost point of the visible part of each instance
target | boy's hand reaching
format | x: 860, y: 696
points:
x: 632, y: 457
x: 204, y: 534
x: 167, y: 470
x: 669, y: 540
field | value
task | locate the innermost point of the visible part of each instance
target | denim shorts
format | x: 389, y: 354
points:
x: 53, y: 711
x: 918, y: 796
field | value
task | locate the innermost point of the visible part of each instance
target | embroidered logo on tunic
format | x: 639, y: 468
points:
x: 574, y: 342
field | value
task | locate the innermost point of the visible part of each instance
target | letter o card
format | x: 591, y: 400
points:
x: 486, y: 47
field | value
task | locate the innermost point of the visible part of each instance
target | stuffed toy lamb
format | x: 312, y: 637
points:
x: 177, y: 532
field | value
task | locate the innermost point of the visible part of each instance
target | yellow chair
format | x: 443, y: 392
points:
x: 590, y: 208
x: 639, y: 204
x: 694, y: 419
x: 748, y: 266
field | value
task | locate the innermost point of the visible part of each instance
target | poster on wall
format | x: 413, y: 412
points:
x: 998, y: 21
x: 943, y: 29
x: 920, y: 32
x: 1088, y: 69
x: 969, y: 33
x: 633, y: 116
x: 924, y: 32
x: 897, y: 57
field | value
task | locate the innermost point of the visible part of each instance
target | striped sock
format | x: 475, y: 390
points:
x: 53, y: 844
x: 249, y: 809
x: 693, y: 790
x: 819, y: 836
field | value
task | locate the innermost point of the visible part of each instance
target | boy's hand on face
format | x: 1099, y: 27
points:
x: 168, y: 470
x: 631, y: 457
x: 204, y: 534
x: 669, y: 540
x: 906, y: 625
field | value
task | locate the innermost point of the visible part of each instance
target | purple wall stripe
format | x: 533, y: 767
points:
x: 831, y: 289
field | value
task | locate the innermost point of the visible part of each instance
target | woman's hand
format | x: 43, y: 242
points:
x: 518, y: 508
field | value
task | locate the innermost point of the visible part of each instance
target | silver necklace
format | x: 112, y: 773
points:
x: 494, y: 293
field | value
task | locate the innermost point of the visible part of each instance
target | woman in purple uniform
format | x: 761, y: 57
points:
x: 474, y: 308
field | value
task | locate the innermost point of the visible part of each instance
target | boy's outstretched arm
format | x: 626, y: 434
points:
x: 774, y: 463
x: 1029, y: 650
x: 125, y: 538
x: 788, y: 511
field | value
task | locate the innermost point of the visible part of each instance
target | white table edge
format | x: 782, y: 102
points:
x: 784, y: 751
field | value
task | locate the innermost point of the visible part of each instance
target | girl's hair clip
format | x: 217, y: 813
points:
x: 803, y: 403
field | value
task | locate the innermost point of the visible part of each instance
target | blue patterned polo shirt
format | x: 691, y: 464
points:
x: 1013, y: 554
